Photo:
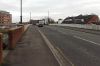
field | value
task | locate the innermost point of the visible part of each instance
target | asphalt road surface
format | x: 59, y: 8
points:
x: 79, y: 48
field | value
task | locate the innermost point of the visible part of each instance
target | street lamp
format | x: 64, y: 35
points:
x: 30, y: 15
x: 20, y: 11
x: 48, y: 16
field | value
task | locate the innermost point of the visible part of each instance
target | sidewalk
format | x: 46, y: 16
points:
x: 31, y: 50
x: 97, y: 32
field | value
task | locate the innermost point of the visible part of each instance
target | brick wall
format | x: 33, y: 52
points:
x: 1, y: 49
x: 14, y: 35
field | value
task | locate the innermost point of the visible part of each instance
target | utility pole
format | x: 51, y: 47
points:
x: 20, y: 11
x: 48, y: 16
x: 30, y: 15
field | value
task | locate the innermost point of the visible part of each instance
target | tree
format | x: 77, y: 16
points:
x: 51, y: 21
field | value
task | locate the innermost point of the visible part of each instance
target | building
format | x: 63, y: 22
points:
x: 59, y: 21
x: 5, y: 17
x: 82, y: 19
x: 34, y: 22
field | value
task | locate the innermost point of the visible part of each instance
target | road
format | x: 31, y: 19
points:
x: 78, y: 48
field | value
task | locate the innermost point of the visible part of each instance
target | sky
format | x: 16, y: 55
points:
x: 57, y: 8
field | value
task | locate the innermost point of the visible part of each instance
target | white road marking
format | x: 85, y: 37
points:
x: 64, y: 56
x: 87, y: 40
x: 55, y: 52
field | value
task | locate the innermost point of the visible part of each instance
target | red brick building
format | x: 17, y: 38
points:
x: 5, y: 17
x: 82, y: 19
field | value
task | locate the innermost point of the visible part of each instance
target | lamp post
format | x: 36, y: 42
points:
x: 20, y: 11
x: 48, y: 16
x: 30, y: 15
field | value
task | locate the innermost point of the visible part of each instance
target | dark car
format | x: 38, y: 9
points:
x: 40, y: 25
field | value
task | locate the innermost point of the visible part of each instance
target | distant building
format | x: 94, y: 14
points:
x: 82, y: 19
x: 34, y: 22
x: 5, y: 17
x: 59, y: 21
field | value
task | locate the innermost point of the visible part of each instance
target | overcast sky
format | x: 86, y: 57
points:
x: 57, y: 8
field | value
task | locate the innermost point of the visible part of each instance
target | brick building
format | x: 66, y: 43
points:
x: 82, y: 19
x: 5, y: 17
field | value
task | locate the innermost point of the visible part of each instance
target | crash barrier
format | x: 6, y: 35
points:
x: 14, y: 36
x: 85, y: 26
x: 1, y: 49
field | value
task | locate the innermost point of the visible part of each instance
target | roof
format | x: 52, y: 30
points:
x: 1, y: 11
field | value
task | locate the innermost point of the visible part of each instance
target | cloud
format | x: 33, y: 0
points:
x: 57, y: 8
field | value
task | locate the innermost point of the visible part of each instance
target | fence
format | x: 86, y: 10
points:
x: 85, y: 26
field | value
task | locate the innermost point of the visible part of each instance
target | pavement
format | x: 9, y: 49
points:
x: 97, y: 32
x: 31, y: 50
x: 77, y: 47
